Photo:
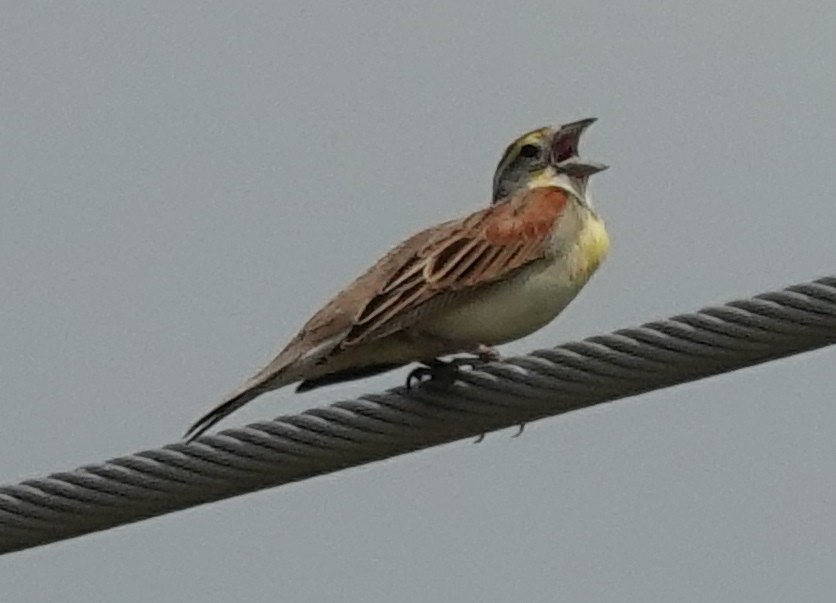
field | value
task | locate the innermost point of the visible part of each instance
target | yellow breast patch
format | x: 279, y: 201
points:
x: 592, y: 246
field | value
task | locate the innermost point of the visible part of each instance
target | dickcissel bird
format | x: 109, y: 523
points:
x: 466, y: 285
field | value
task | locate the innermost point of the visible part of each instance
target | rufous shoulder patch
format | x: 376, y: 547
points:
x: 529, y: 215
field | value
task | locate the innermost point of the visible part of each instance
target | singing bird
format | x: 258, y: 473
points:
x: 462, y: 286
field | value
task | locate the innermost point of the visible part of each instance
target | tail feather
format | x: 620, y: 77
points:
x: 221, y: 411
x: 286, y: 368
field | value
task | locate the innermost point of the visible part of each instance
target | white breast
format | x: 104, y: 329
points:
x: 534, y: 297
x: 508, y: 310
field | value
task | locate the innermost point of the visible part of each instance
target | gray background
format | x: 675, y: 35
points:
x: 184, y: 183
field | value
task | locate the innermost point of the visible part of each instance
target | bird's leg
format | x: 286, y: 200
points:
x: 445, y: 371
x: 442, y: 371
x: 431, y: 369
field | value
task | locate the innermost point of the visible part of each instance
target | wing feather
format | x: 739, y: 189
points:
x: 482, y: 248
x: 445, y: 263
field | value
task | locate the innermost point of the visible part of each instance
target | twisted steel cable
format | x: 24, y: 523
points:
x: 544, y: 383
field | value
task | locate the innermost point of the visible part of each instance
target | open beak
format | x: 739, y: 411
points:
x: 566, y: 138
x: 564, y: 150
x: 577, y: 167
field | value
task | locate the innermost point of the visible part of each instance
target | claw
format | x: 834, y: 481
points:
x: 417, y: 375
x: 446, y: 371
x: 435, y: 370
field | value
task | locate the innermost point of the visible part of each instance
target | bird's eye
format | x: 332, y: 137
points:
x: 529, y: 150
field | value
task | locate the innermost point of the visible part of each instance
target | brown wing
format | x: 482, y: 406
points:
x: 441, y: 261
x: 482, y: 248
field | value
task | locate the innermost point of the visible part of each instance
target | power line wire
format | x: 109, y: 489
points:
x: 346, y: 434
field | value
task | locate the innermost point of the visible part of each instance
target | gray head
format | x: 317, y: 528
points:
x: 537, y: 157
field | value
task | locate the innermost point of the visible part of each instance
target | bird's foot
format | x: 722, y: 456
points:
x: 446, y: 371
x: 443, y: 372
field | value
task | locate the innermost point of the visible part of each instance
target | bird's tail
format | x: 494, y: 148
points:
x: 221, y: 411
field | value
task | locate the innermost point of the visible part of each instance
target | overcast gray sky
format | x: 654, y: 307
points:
x: 184, y: 183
